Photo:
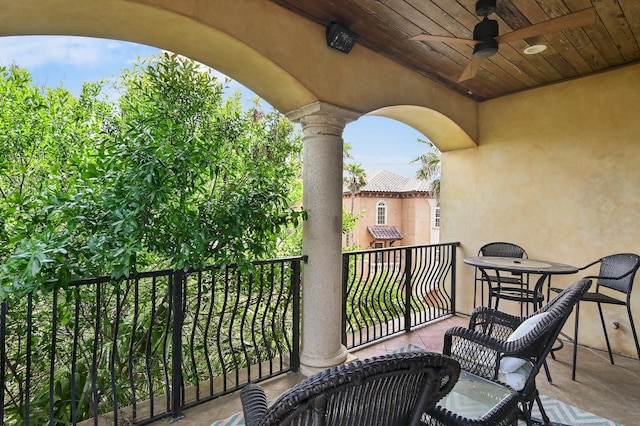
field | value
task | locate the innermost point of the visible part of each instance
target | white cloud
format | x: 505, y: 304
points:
x: 37, y: 51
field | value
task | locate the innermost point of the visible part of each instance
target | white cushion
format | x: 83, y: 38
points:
x: 510, y: 364
x: 518, y: 378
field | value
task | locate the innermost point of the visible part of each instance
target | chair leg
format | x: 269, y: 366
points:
x: 522, y: 307
x: 633, y: 329
x: 496, y: 297
x: 526, y: 412
x: 545, y: 418
x: 606, y: 336
x: 546, y: 370
x: 575, y: 342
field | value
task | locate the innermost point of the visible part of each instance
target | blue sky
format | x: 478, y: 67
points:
x: 377, y: 143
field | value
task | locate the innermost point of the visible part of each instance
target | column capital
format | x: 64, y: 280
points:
x: 323, y: 114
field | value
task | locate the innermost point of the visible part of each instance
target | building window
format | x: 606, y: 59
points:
x: 436, y: 217
x: 381, y: 213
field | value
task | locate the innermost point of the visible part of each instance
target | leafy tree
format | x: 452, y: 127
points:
x: 174, y: 175
x: 190, y: 177
x: 43, y: 137
x: 430, y: 169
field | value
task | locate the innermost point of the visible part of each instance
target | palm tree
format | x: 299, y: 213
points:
x: 355, y: 179
x: 431, y: 167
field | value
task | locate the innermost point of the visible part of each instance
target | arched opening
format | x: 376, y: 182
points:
x: 388, y: 151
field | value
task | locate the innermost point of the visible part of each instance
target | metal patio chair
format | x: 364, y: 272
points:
x: 617, y: 273
x: 514, y: 287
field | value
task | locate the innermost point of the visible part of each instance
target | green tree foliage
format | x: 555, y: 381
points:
x: 45, y: 142
x: 189, y: 176
x: 174, y: 175
x: 430, y: 166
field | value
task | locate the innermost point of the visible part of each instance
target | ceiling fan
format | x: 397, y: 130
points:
x: 486, y: 38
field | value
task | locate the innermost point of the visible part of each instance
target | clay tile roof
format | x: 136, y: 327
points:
x: 384, y: 233
x: 385, y: 181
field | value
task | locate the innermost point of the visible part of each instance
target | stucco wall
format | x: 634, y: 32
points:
x: 557, y: 170
x: 417, y: 221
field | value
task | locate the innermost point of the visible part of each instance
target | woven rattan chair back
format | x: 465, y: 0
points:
x: 389, y: 390
x: 502, y: 249
x: 623, y: 265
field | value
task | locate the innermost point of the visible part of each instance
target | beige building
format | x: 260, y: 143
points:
x: 395, y: 211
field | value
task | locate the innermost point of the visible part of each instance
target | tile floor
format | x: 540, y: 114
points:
x: 610, y: 391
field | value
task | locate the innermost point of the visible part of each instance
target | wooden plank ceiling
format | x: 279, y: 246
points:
x: 386, y: 26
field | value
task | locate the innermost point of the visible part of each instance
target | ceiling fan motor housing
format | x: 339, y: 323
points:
x: 485, y: 7
x: 485, y: 32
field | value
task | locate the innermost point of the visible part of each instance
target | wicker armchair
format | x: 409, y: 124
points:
x: 492, y: 340
x: 394, y: 389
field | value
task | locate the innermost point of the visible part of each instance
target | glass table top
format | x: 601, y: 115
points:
x: 474, y: 397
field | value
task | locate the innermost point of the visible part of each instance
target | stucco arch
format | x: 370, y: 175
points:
x: 446, y: 134
x: 277, y: 54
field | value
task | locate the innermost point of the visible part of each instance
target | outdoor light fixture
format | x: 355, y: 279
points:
x: 340, y: 37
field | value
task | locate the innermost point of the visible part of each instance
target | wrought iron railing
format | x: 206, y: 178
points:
x: 145, y: 348
x: 390, y: 290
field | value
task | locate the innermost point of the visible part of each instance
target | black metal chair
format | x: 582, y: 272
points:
x: 513, y: 287
x: 616, y: 274
x: 393, y: 389
x: 497, y: 344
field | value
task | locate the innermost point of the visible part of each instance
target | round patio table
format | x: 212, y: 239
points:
x: 543, y: 268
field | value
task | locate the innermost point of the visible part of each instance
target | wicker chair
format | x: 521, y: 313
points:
x: 394, y: 389
x: 616, y: 274
x: 490, y: 341
x: 514, y: 287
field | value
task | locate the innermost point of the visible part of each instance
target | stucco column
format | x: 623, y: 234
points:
x: 322, y: 126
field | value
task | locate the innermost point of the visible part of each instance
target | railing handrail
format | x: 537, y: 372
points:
x: 168, y: 271
x: 383, y: 249
x: 102, y: 328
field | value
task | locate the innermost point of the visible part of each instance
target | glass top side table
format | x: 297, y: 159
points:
x: 475, y: 401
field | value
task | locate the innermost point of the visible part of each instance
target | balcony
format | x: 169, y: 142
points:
x: 539, y: 166
x: 609, y: 391
x: 117, y: 351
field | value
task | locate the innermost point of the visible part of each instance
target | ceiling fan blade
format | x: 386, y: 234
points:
x: 471, y: 69
x: 429, y: 37
x: 577, y: 19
